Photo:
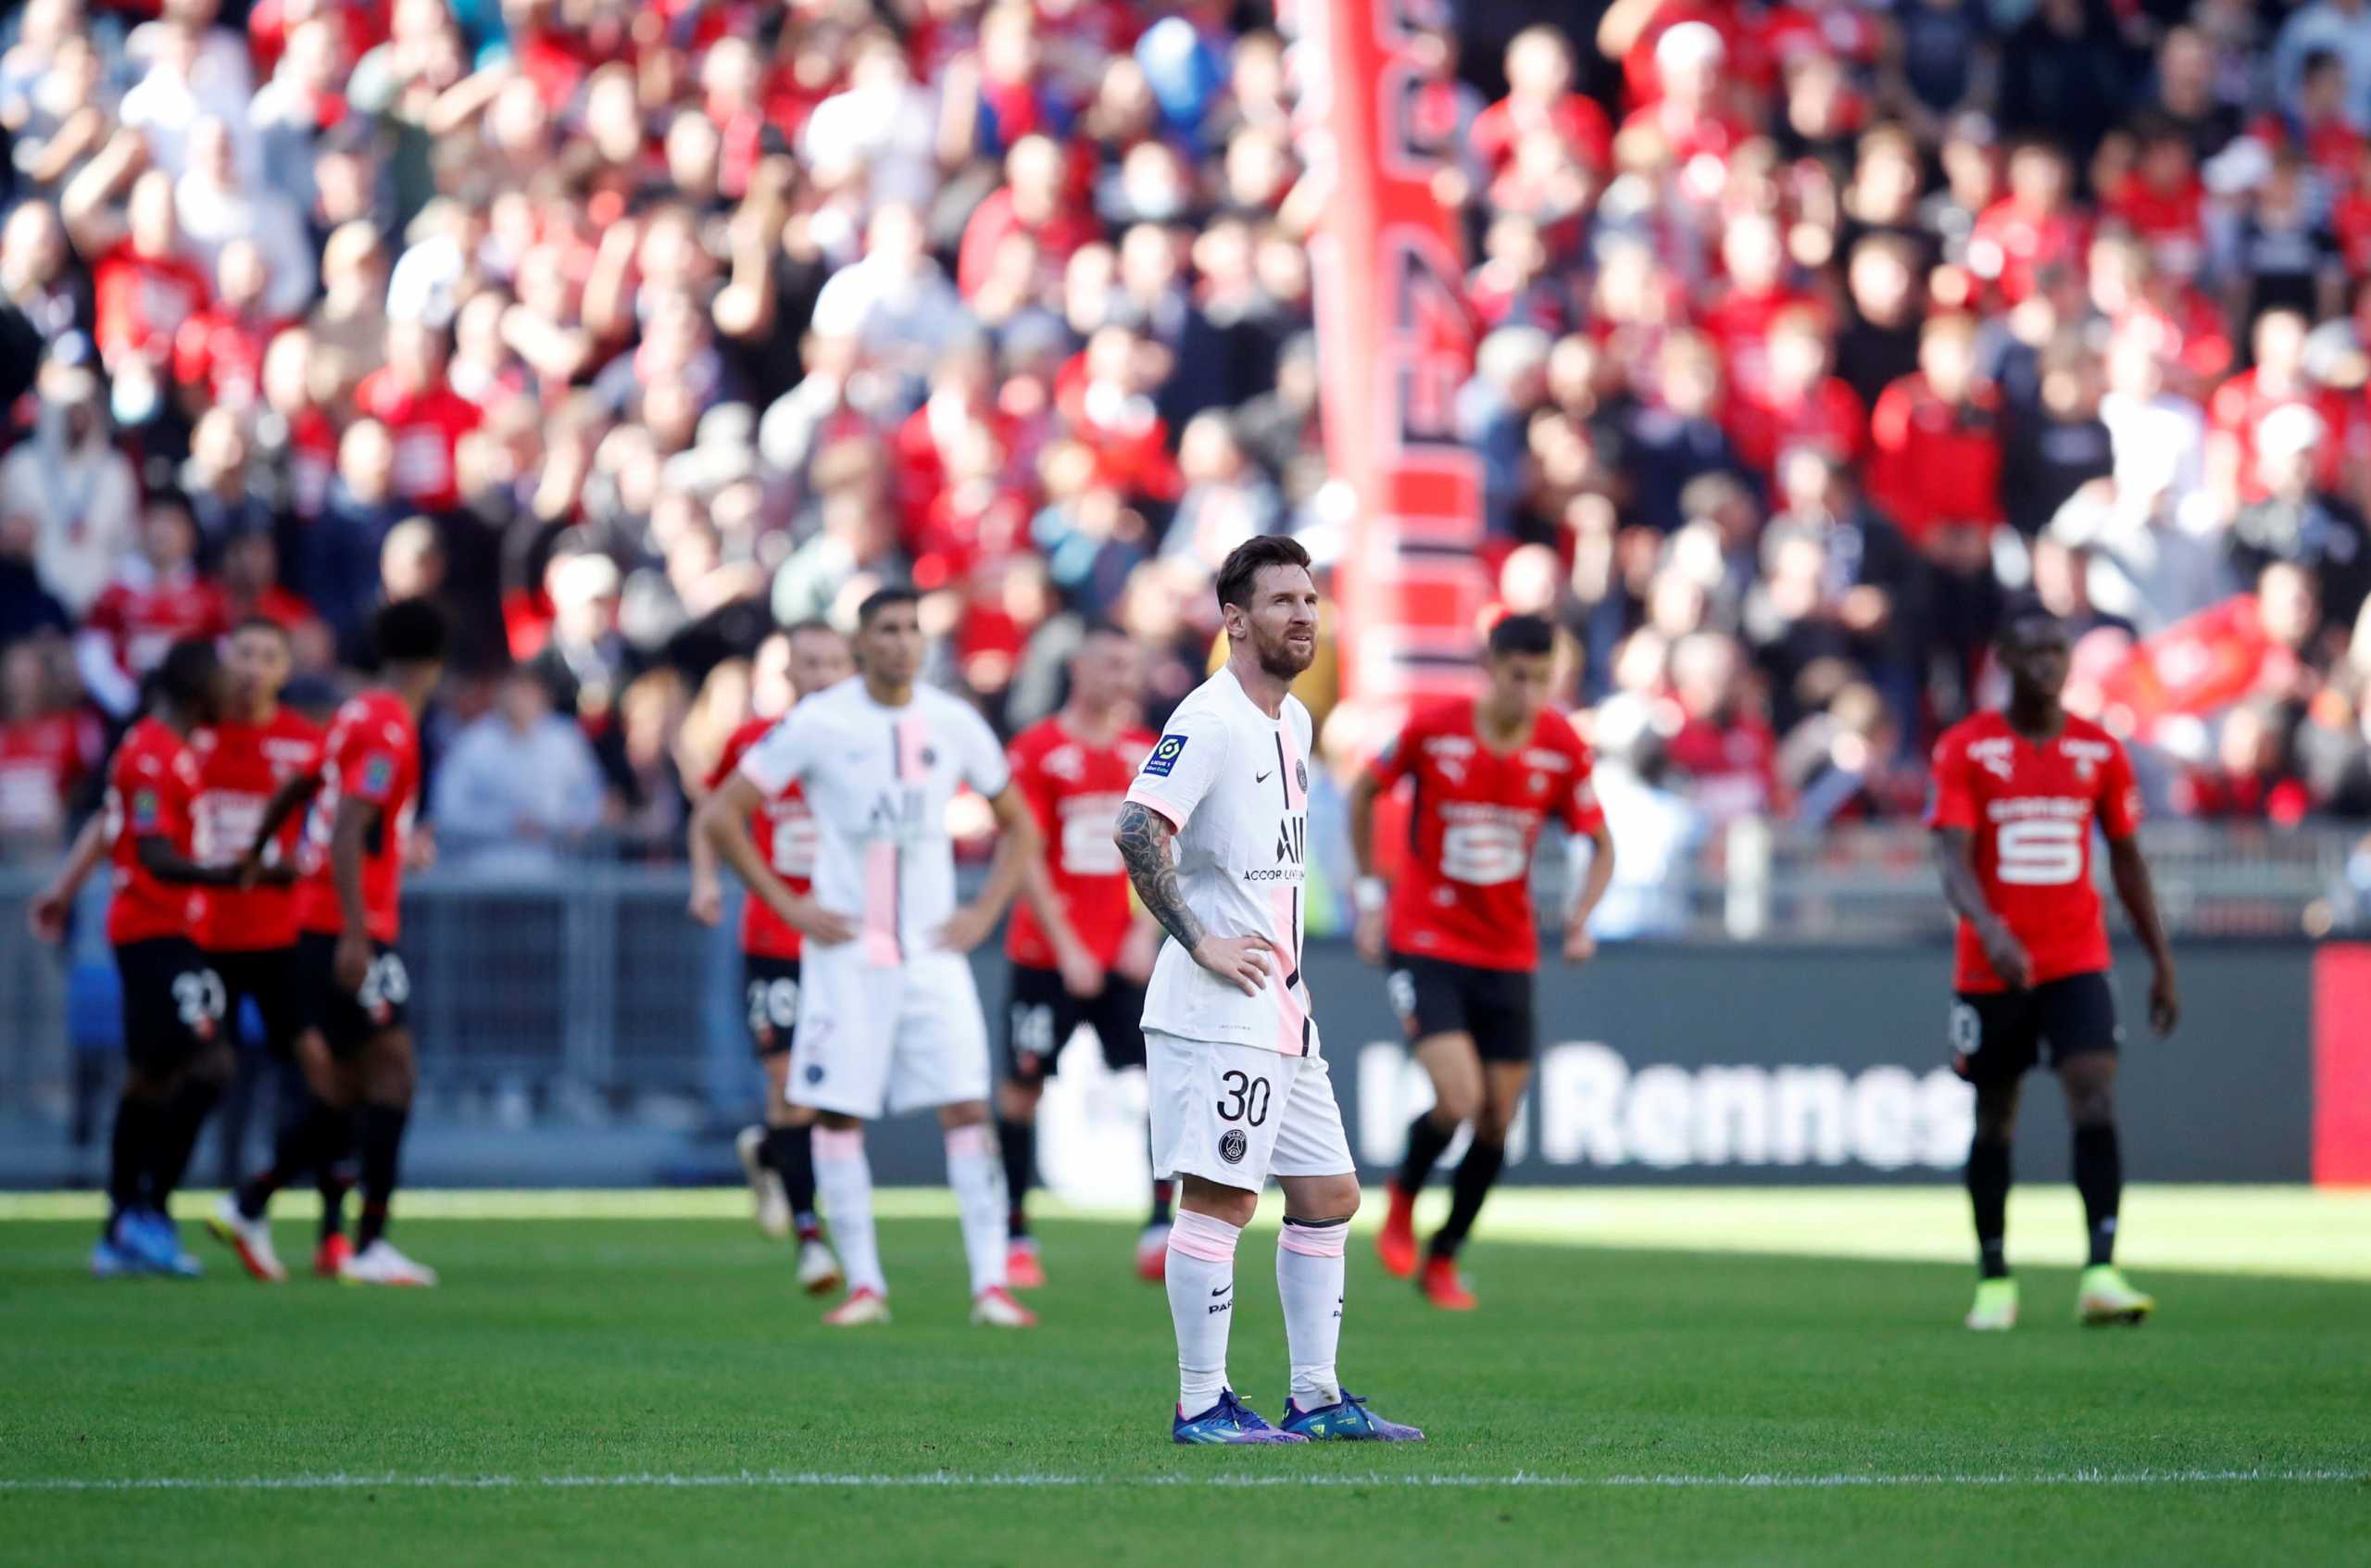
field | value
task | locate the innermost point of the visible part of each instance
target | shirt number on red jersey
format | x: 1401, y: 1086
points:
x: 1088, y: 849
x: 1482, y: 854
x: 2040, y: 852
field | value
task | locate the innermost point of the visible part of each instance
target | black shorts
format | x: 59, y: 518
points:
x: 350, y: 1020
x: 1040, y: 1014
x: 1435, y: 997
x: 269, y: 977
x: 1998, y: 1035
x: 173, y: 1005
x: 771, y: 989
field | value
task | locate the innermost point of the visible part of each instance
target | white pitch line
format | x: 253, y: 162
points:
x: 944, y: 1480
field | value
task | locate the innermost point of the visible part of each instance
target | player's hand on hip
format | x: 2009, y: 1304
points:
x: 354, y: 958
x: 706, y: 902
x: 46, y: 915
x: 828, y: 927
x: 1082, y: 976
x: 2007, y: 958
x: 1368, y: 936
x: 1579, y: 946
x: 966, y: 929
x: 2164, y: 1003
x: 1241, y: 961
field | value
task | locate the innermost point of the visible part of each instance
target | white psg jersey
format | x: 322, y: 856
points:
x: 1234, y: 783
x: 878, y: 781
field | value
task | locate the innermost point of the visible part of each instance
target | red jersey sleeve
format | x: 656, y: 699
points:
x: 1397, y: 760
x: 734, y: 745
x: 1952, y: 804
x: 1035, y: 786
x: 1581, y: 811
x: 2120, y: 810
x: 370, y: 763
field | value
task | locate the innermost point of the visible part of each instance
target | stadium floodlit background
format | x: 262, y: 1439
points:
x: 1769, y: 349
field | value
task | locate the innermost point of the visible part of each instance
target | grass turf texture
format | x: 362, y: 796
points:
x: 605, y: 1349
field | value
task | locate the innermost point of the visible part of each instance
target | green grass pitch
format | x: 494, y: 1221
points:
x: 650, y: 1390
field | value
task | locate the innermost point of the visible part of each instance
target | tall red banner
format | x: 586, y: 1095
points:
x: 1395, y: 343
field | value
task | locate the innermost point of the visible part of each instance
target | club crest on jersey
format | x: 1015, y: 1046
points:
x: 1997, y: 756
x: 1164, y: 755
x: 1234, y: 1145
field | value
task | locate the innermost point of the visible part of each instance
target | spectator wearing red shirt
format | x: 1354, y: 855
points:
x: 1034, y: 200
x: 1801, y: 404
x: 1723, y: 742
x: 2163, y: 200
x: 46, y: 747
x: 2239, y: 407
x: 1754, y: 253
x: 425, y: 418
x: 156, y: 600
x: 2032, y: 227
x: 218, y: 352
x: 142, y: 287
x: 1689, y: 117
x: 1936, y: 439
x: 1540, y: 95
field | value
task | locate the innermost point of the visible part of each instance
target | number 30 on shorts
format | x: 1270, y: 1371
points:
x: 1247, y: 1098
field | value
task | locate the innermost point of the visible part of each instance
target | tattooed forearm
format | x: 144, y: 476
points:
x: 1143, y: 836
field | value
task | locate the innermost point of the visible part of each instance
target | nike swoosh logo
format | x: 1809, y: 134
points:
x: 1222, y: 1290
x: 1265, y: 777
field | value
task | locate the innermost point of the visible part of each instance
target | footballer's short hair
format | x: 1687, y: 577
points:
x: 1240, y: 572
x: 410, y: 632
x: 1528, y: 634
x: 895, y: 593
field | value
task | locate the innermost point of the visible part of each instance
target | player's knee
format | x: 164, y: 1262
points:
x: 1492, y: 1124
x: 832, y: 1121
x: 2090, y: 1105
x: 1017, y: 1101
x: 1231, y: 1205
x: 1326, y: 1198
x: 966, y: 1113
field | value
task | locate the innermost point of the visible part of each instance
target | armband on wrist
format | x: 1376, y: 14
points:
x: 1370, y: 893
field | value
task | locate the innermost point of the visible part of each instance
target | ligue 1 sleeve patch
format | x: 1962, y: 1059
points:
x: 147, y: 812
x: 1164, y: 755
x: 378, y: 774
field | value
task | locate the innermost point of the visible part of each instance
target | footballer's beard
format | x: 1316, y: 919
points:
x: 1280, y: 660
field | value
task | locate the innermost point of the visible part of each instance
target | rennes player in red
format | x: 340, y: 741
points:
x: 1079, y: 953
x: 1489, y: 772
x: 778, y: 1158
x: 2016, y: 794
x: 357, y: 1053
x: 254, y: 749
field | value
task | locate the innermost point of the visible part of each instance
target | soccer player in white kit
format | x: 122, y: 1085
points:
x: 888, y: 1017
x: 1240, y: 1090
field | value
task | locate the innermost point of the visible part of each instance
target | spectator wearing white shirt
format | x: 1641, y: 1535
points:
x: 882, y: 127
x: 167, y: 103
x: 216, y: 205
x: 519, y: 788
x: 896, y: 302
x: 79, y: 491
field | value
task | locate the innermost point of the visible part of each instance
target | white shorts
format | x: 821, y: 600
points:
x: 1238, y: 1114
x: 876, y: 1040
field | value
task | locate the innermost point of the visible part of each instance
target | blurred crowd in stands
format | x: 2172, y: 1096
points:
x: 1810, y: 335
